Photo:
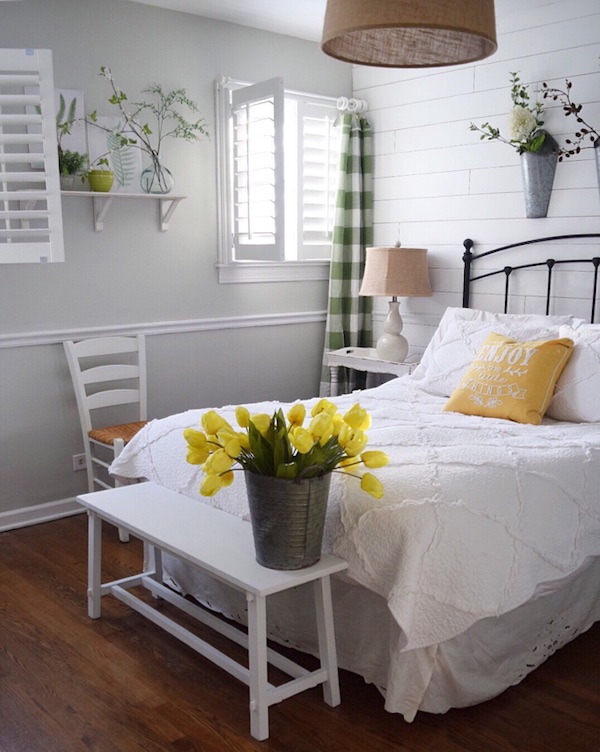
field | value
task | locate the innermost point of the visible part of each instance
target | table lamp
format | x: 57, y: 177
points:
x: 397, y: 272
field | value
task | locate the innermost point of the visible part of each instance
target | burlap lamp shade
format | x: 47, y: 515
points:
x: 409, y: 33
x: 395, y: 272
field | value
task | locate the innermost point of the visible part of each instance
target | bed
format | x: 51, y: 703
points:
x: 483, y: 557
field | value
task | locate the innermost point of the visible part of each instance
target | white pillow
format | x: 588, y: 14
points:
x: 577, y: 395
x: 462, y: 331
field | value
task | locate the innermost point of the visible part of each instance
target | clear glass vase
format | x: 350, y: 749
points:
x: 156, y: 178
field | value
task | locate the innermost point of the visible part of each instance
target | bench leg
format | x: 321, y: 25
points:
x: 118, y: 446
x: 257, y: 654
x: 153, y: 561
x: 94, y: 564
x: 123, y: 535
x: 326, y: 634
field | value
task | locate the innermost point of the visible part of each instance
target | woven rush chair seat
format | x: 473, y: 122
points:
x: 125, y: 431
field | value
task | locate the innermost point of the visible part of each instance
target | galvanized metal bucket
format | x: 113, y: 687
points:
x: 288, y: 518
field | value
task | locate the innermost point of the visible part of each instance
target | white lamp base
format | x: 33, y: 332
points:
x: 392, y: 345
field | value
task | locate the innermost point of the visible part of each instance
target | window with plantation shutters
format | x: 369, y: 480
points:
x: 30, y: 209
x: 319, y: 154
x: 278, y: 165
x: 258, y: 178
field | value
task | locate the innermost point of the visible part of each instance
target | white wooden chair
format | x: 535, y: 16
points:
x: 108, y: 372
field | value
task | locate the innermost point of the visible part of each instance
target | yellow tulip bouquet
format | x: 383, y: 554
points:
x: 270, y: 445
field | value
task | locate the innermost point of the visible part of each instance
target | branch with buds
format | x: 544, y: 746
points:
x: 586, y: 136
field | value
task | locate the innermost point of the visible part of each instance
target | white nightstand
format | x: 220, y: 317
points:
x: 364, y: 359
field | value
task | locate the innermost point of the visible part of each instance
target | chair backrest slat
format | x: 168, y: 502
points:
x: 86, y: 348
x: 112, y: 366
x: 113, y: 397
x: 100, y: 374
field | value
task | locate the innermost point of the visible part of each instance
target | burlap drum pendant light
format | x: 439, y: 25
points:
x: 409, y: 33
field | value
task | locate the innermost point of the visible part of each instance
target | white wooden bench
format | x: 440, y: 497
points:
x: 222, y: 545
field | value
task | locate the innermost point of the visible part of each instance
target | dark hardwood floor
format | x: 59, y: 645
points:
x: 71, y: 684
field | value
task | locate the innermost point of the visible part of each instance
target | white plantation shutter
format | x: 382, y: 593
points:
x: 30, y: 208
x: 258, y: 178
x: 319, y: 153
x: 278, y: 154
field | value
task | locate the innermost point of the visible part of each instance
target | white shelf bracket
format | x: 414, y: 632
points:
x: 167, y: 207
x: 103, y: 201
x: 101, y: 207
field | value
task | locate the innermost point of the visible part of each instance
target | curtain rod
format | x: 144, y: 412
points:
x: 360, y: 105
x: 352, y: 105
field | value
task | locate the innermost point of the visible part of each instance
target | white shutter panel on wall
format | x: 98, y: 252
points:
x: 258, y: 171
x: 320, y: 156
x: 30, y: 208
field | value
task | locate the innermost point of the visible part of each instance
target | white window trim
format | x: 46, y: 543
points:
x: 273, y: 271
x: 230, y: 271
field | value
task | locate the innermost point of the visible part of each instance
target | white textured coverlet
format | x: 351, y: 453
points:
x: 477, y: 512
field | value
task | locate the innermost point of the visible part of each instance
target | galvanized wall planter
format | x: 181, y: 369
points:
x: 537, y: 170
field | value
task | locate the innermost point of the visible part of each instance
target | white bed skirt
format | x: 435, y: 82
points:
x: 492, y: 655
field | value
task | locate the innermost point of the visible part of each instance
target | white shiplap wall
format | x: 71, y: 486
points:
x: 436, y: 183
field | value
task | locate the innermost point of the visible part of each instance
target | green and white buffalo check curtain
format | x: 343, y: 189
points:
x: 349, y: 317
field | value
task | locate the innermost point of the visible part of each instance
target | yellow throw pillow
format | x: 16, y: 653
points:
x: 511, y: 380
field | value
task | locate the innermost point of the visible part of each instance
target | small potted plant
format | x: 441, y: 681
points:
x: 72, y: 169
x: 100, y: 176
x: 71, y: 164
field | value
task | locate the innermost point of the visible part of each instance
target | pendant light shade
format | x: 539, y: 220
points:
x: 409, y: 33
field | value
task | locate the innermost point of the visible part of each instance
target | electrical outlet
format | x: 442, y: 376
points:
x: 79, y: 462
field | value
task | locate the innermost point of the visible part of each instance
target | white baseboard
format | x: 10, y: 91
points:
x: 53, y: 510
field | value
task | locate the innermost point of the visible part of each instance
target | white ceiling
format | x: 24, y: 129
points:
x: 297, y: 18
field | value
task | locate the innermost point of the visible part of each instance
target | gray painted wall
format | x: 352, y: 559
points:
x: 131, y: 275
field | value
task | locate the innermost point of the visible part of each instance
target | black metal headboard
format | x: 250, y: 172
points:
x: 469, y: 257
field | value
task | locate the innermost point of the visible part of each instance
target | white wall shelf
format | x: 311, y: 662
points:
x: 103, y: 201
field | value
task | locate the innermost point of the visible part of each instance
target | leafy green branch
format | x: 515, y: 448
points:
x: 167, y: 120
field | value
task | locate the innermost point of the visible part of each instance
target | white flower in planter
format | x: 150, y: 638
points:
x: 525, y: 121
x: 522, y: 122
